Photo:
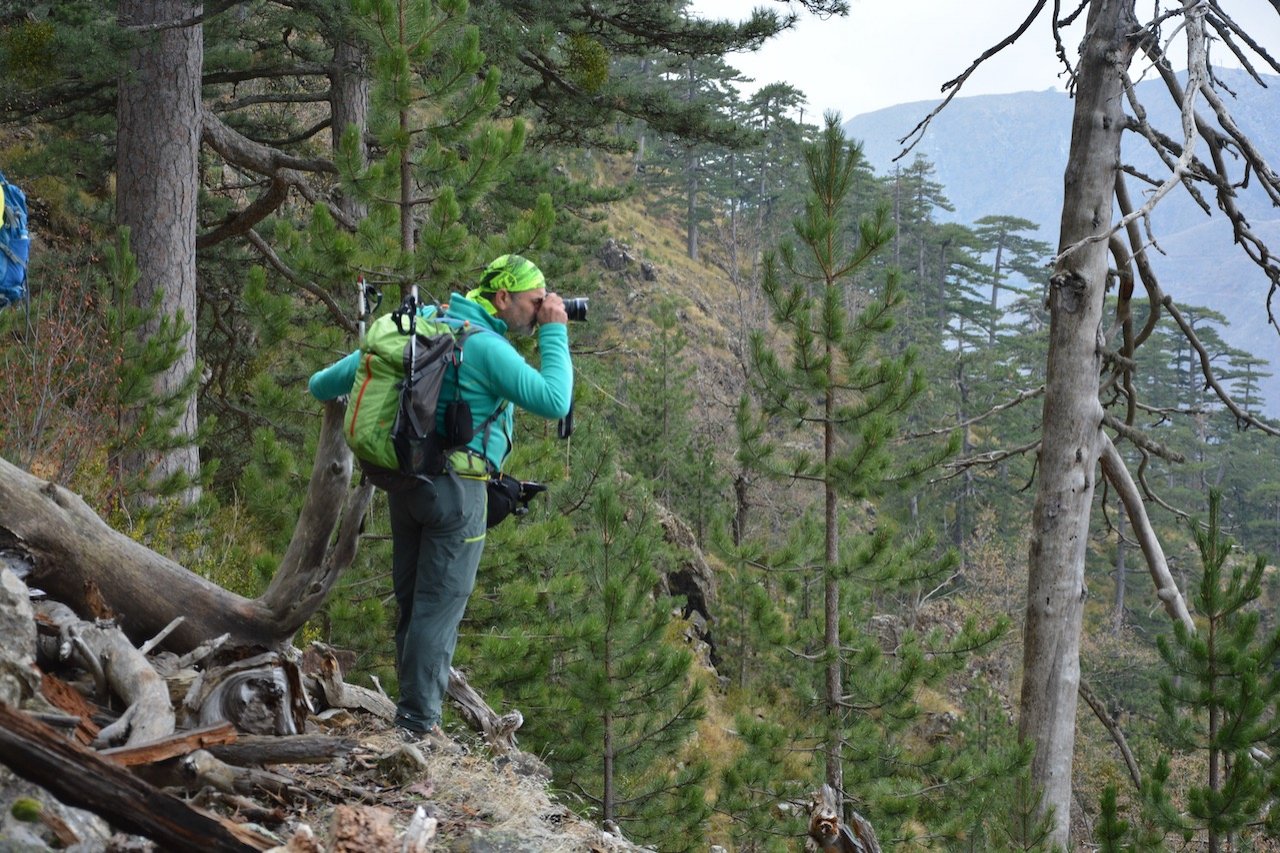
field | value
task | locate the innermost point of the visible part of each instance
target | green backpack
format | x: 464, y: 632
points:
x: 391, y: 416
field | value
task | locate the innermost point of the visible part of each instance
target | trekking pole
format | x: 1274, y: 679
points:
x: 413, y: 337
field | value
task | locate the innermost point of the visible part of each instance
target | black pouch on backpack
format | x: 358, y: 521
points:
x: 458, y: 427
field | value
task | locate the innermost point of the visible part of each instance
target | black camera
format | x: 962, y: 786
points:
x: 576, y: 307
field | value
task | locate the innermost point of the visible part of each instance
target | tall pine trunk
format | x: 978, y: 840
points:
x: 349, y: 106
x: 157, y: 188
x: 1072, y: 416
x: 831, y: 585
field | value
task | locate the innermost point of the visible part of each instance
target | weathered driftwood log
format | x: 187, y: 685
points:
x: 500, y: 732
x: 258, y: 695
x: 104, y: 650
x: 292, y: 749
x: 337, y: 693
x: 201, y: 769
x: 79, y: 777
x: 829, y: 834
x: 73, y: 551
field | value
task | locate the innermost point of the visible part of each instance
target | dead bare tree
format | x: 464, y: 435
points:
x: 1075, y: 443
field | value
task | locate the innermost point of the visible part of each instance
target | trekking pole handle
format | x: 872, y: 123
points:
x: 408, y: 307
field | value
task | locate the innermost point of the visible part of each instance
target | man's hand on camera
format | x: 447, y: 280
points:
x: 552, y: 310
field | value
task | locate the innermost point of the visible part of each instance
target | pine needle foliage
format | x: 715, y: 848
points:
x: 828, y: 416
x: 1219, y: 701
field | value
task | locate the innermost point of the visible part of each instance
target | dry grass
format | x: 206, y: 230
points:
x: 478, y: 800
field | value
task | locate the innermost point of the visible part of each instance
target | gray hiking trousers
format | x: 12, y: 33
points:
x: 437, y: 537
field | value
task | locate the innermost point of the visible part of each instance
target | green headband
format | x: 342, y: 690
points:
x: 511, y: 273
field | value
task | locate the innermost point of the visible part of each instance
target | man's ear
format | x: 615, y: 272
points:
x: 501, y: 299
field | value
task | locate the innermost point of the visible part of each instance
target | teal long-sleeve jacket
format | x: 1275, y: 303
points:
x: 493, y: 377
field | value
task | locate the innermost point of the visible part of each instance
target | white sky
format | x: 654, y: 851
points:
x: 887, y: 52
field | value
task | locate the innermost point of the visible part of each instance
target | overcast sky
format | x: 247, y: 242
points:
x: 888, y: 52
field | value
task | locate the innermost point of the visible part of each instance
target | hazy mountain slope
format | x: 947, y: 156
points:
x: 1005, y: 154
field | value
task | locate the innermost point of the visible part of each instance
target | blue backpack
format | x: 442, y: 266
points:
x: 15, y: 245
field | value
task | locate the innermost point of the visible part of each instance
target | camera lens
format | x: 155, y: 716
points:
x: 576, y: 308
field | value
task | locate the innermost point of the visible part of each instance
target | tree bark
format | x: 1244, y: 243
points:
x: 1072, y: 416
x: 157, y: 189
x: 349, y: 105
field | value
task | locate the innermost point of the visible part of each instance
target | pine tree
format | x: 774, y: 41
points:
x: 838, y: 400
x: 582, y: 77
x: 570, y: 626
x: 1219, y: 700
x: 635, y: 705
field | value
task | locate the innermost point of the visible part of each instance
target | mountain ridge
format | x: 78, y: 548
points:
x: 1005, y: 154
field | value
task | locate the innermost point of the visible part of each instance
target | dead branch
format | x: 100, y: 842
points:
x: 338, y: 694
x: 1117, y: 474
x: 1018, y: 400
x: 1117, y: 733
x: 958, y: 466
x: 953, y: 86
x: 1138, y: 254
x: 103, y: 647
x: 1196, y: 75
x: 310, y: 566
x: 288, y: 749
x: 499, y: 731
x: 201, y: 769
x: 1253, y: 246
x: 1228, y: 30
x: 1141, y: 439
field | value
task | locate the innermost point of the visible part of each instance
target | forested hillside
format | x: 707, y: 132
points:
x: 788, y: 540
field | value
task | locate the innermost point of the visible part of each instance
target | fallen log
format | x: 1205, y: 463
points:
x: 171, y: 747
x: 78, y: 777
x: 289, y: 749
x: 72, y: 551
